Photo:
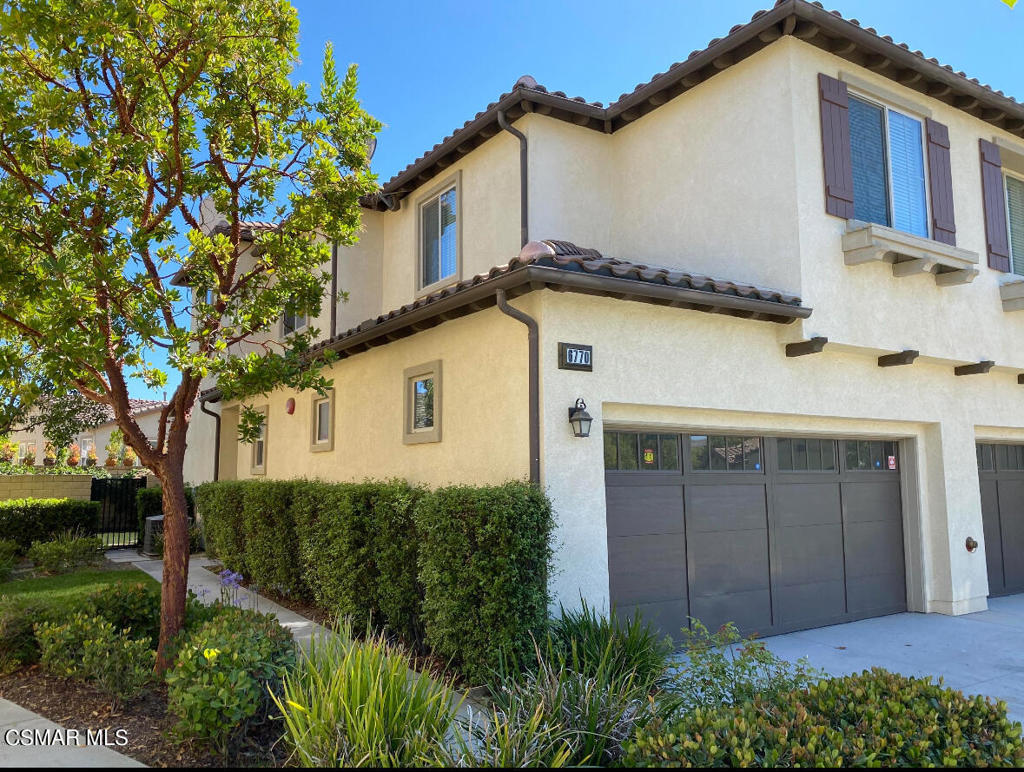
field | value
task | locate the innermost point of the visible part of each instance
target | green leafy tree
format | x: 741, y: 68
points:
x: 118, y: 119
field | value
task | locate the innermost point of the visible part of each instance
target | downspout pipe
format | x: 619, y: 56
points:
x: 334, y: 289
x: 524, y: 220
x: 534, y: 380
x: 216, y: 440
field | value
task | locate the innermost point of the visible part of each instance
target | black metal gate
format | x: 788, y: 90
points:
x: 119, y: 519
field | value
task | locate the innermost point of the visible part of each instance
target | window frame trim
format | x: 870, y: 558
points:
x: 1006, y: 205
x: 412, y: 436
x: 261, y: 470
x: 451, y: 182
x: 316, y: 445
x: 856, y: 92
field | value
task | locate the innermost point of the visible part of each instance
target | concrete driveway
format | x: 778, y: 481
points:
x: 979, y: 653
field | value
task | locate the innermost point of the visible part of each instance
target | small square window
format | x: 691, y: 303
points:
x: 322, y: 423
x: 259, y: 447
x: 423, y: 403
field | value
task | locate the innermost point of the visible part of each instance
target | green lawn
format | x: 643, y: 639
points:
x: 67, y: 588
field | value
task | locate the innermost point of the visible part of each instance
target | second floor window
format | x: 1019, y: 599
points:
x: 1015, y: 222
x: 439, y: 234
x: 294, y: 322
x: 887, y: 151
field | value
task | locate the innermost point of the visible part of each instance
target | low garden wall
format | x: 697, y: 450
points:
x: 462, y: 569
x: 45, y: 486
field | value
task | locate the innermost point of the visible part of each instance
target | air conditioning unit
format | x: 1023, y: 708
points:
x: 154, y: 526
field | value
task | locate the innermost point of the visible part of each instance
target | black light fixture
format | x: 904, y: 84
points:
x: 579, y: 419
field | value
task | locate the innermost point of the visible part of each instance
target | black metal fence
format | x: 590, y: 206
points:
x: 119, y: 519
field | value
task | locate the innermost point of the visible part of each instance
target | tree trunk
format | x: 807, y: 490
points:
x: 175, y: 579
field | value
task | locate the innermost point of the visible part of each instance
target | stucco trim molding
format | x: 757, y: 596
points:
x: 909, y: 255
x: 1012, y: 295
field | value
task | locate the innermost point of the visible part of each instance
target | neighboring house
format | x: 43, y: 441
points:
x: 146, y: 412
x: 831, y: 428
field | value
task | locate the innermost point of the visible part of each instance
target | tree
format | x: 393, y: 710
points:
x: 118, y: 118
x: 28, y: 401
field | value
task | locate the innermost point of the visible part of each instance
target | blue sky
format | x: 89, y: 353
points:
x: 425, y: 68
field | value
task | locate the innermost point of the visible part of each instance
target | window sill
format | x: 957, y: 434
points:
x: 909, y: 255
x: 1012, y: 295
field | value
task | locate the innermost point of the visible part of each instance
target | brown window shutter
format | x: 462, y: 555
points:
x: 940, y: 182
x: 835, y: 143
x: 995, y: 207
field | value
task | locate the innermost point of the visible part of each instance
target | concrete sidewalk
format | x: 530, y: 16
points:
x: 207, y: 586
x: 18, y: 728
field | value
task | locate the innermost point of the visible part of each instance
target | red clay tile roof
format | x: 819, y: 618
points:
x: 561, y: 265
x: 137, y: 406
x: 807, y: 21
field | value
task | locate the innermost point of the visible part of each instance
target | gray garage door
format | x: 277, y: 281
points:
x: 1002, y: 508
x: 773, y: 534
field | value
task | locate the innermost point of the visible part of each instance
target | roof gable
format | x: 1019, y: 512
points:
x: 809, y: 22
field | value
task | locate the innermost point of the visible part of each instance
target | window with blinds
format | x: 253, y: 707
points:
x: 887, y: 153
x: 439, y: 232
x: 1015, y: 220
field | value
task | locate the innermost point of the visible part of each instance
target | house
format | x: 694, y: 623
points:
x: 145, y: 411
x: 786, y: 279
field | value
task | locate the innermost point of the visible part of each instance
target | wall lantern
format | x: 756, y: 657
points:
x: 579, y: 419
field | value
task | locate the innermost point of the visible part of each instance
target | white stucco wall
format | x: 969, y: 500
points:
x: 679, y: 370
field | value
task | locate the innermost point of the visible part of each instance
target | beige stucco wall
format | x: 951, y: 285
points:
x: 483, y: 404
x: 681, y: 370
x: 705, y: 183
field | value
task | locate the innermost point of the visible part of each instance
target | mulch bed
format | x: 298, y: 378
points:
x: 75, y: 704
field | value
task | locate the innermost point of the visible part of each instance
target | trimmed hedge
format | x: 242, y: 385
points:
x: 220, y: 509
x: 149, y: 502
x: 875, y: 718
x: 28, y: 520
x: 484, y: 559
x: 463, y: 568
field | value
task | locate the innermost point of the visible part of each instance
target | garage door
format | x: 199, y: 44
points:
x: 1001, y: 468
x: 773, y: 534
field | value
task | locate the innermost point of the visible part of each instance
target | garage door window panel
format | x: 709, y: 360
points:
x: 798, y: 454
x: 720, y: 453
x: 645, y: 452
x: 871, y: 456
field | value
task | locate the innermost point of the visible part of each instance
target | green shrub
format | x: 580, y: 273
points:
x: 70, y: 550
x: 875, y: 718
x: 18, y: 644
x: 26, y: 602
x: 271, y: 546
x: 484, y: 556
x: 593, y: 704
x: 9, y: 551
x: 496, y: 740
x: 149, y: 502
x: 224, y: 673
x: 594, y: 642
x: 62, y: 644
x: 134, y: 607
x: 120, y: 666
x: 27, y: 520
x: 722, y: 668
x: 367, y: 530
x: 360, y: 704
x: 220, y: 507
